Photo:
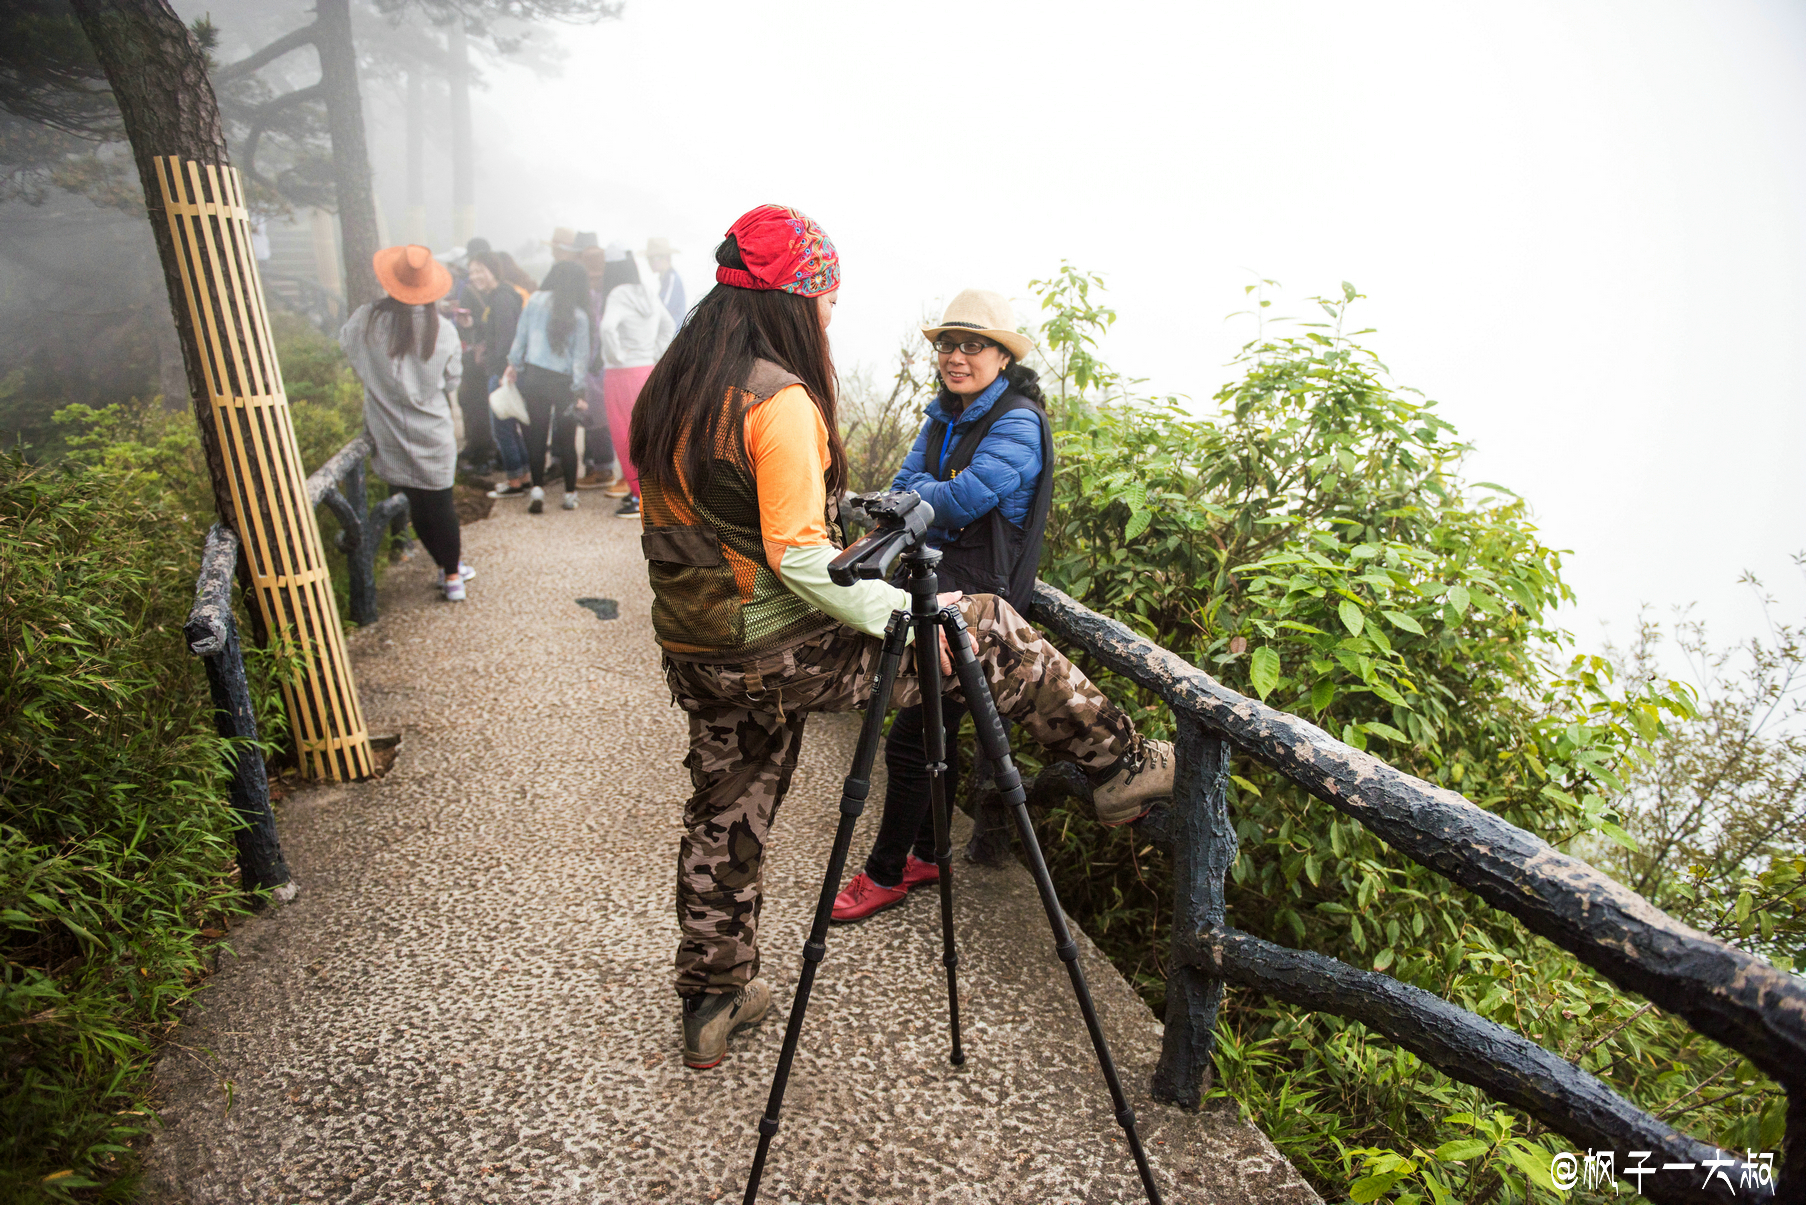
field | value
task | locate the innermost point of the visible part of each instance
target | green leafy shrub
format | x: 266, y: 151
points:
x: 1312, y: 542
x: 116, y: 867
x: 115, y: 853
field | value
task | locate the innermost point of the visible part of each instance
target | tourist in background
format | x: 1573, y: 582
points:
x: 984, y: 461
x: 473, y: 396
x: 548, y: 361
x: 598, y: 447
x: 407, y: 355
x: 495, y: 316
x: 670, y: 285
x: 515, y: 276
x: 636, y: 328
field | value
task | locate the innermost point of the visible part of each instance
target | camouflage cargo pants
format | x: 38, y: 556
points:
x: 746, y: 724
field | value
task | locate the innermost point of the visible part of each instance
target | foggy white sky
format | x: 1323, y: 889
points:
x: 1580, y: 224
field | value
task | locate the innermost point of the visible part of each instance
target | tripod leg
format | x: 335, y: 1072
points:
x: 852, y: 803
x: 996, y: 746
x: 934, y: 746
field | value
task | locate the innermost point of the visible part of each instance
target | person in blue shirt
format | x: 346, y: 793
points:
x: 984, y: 461
x: 549, y: 359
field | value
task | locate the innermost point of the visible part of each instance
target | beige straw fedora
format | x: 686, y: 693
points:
x: 982, y: 312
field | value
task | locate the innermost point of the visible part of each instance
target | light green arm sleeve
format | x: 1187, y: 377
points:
x: 864, y: 605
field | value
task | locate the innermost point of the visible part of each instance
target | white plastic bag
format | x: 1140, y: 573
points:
x: 507, y: 402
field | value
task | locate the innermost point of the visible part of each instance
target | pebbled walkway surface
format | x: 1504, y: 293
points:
x: 470, y: 1001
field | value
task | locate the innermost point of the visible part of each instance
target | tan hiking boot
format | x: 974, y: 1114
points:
x: 617, y: 488
x: 1140, y: 780
x: 709, y: 1019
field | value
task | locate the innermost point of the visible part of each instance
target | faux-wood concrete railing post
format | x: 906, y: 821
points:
x: 1203, y: 849
x: 212, y: 634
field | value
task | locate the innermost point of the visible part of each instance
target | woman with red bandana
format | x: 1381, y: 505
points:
x: 741, y: 466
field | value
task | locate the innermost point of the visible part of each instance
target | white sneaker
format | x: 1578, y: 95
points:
x: 454, y: 591
x: 536, y: 501
x: 570, y: 501
x: 465, y: 572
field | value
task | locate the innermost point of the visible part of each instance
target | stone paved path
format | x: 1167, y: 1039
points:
x: 470, y: 1000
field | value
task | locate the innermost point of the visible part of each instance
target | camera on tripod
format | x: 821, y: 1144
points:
x: 899, y: 519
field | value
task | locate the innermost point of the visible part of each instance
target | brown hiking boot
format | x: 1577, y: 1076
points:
x: 598, y: 479
x: 709, y: 1019
x: 1141, y: 779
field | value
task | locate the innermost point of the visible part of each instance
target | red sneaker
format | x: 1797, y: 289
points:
x: 917, y: 873
x: 862, y: 897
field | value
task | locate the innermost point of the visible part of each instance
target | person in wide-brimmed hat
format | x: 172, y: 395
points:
x: 406, y: 354
x: 738, y: 444
x: 984, y: 461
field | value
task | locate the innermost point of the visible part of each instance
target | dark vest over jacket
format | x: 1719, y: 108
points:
x: 714, y: 596
x: 993, y: 555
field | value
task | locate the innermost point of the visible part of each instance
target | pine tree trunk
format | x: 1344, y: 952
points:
x: 464, y: 167
x: 350, y: 153
x: 416, y: 227
x: 159, y: 77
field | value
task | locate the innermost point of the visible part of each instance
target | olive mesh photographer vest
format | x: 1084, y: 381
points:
x: 714, y: 597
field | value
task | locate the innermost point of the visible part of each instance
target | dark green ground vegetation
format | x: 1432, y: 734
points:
x: 116, y: 857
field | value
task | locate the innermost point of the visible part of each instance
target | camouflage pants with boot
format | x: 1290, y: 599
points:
x: 746, y: 725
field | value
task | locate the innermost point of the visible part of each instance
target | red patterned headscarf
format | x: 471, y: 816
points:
x: 784, y: 250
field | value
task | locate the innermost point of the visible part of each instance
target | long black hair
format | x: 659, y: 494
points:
x: 1026, y: 381
x: 619, y: 272
x: 568, y: 284
x: 401, y: 328
x: 681, y: 404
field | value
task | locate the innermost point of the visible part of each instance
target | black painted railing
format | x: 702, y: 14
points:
x: 1724, y: 993
x: 212, y: 635
x: 338, y: 485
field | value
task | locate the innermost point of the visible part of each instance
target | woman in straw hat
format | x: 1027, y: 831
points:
x: 984, y: 461
x: 739, y: 450
x: 406, y: 353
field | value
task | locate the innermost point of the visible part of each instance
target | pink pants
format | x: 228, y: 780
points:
x: 620, y: 389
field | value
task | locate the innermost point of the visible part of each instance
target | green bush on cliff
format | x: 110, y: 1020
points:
x: 1311, y: 541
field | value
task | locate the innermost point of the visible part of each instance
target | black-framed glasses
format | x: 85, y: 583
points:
x: 970, y: 347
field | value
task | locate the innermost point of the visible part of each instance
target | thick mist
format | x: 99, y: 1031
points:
x: 1580, y: 230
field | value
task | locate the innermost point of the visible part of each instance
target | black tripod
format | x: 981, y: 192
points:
x: 873, y: 557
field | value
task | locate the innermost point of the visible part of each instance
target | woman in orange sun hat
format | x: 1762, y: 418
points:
x: 407, y: 356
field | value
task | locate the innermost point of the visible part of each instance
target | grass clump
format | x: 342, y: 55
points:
x: 115, y: 837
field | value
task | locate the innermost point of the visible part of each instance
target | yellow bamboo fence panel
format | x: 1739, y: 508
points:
x: 275, y: 521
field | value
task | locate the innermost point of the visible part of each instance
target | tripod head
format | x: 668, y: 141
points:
x: 899, y: 520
